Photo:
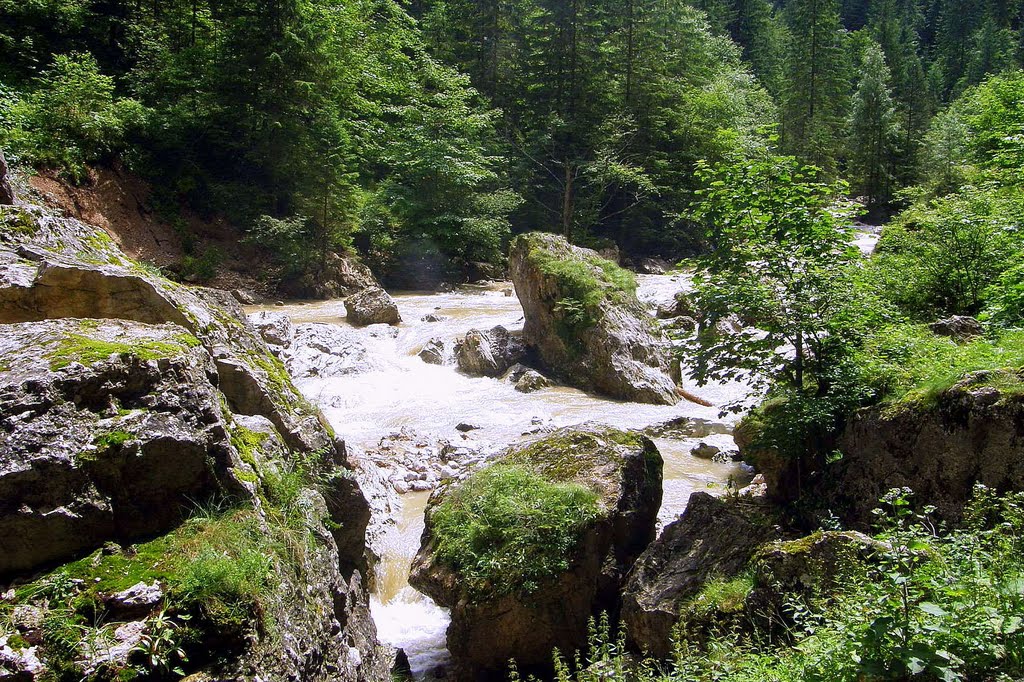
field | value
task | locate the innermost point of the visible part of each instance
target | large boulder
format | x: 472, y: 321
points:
x: 714, y: 538
x: 972, y: 433
x: 585, y: 323
x: 54, y: 267
x: 111, y: 430
x: 490, y: 353
x: 372, y: 306
x: 602, y: 489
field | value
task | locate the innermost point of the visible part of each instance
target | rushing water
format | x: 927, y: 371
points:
x: 400, y: 390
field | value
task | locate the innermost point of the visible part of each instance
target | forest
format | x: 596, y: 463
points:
x: 744, y: 140
x: 431, y: 131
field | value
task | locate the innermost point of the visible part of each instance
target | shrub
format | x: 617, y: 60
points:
x: 505, y: 529
x: 70, y: 118
x: 931, y: 606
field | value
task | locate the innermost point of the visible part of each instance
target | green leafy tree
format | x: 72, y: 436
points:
x: 780, y: 259
x: 70, y: 118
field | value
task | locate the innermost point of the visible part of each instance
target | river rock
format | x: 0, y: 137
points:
x: 372, y: 306
x: 275, y: 328
x: 326, y: 350
x: 615, y: 349
x: 433, y: 352
x: 713, y: 538
x: 653, y: 266
x: 682, y: 305
x: 488, y: 353
x: 6, y: 191
x: 958, y: 327
x: 704, y: 450
x: 525, y: 379
x: 487, y: 628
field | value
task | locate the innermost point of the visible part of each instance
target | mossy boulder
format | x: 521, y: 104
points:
x: 65, y: 268
x: 584, y: 322
x: 111, y: 429
x: 972, y: 432
x: 525, y: 551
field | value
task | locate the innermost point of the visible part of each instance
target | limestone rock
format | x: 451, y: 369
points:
x: 488, y: 353
x: 372, y: 305
x: 609, y: 345
x: 624, y: 470
x: 113, y: 426
x: 682, y: 305
x: 111, y: 429
x: 6, y: 191
x: 713, y: 538
x: 973, y: 433
x: 958, y: 327
x: 139, y: 599
x: 275, y: 328
x: 433, y: 353
x: 525, y: 379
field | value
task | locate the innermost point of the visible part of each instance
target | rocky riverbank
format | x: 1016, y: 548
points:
x: 149, y: 428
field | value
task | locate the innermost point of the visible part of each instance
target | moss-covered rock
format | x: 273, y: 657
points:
x: 585, y: 323
x: 526, y: 550
x: 712, y: 541
x: 117, y: 426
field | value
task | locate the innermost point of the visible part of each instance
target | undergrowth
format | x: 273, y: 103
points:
x: 934, y: 604
x: 506, y: 528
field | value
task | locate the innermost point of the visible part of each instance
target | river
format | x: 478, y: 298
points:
x: 400, y: 390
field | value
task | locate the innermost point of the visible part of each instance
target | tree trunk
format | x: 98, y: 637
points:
x: 6, y: 191
x: 568, y: 200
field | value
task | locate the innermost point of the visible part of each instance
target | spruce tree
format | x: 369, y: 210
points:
x: 815, y: 102
x: 873, y: 130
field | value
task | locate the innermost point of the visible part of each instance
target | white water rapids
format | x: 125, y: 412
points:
x: 400, y: 390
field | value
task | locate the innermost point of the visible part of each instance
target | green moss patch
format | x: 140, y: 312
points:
x: 87, y: 350
x: 506, y: 528
x: 569, y: 456
x: 585, y: 281
x: 247, y: 442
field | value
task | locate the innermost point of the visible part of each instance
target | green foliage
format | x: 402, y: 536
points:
x: 943, y: 256
x: 931, y: 604
x: 506, y: 529
x: 782, y: 261
x: 69, y: 118
x: 112, y: 440
x: 201, y: 268
x: 907, y: 363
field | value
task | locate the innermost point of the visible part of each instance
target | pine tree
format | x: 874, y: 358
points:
x: 873, y: 130
x: 816, y: 99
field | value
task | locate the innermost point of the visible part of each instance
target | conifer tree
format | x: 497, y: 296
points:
x: 873, y: 130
